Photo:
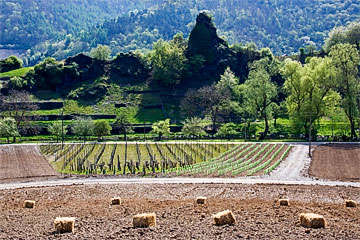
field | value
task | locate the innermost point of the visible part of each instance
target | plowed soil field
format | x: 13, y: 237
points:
x: 23, y: 162
x: 178, y: 217
x: 336, y: 162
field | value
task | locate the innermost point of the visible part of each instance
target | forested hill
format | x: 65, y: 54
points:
x: 25, y: 23
x: 282, y: 25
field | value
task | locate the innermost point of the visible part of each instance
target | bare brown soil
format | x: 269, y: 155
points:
x: 336, y: 162
x: 178, y: 217
x: 23, y: 162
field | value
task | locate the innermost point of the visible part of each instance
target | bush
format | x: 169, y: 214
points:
x: 17, y: 83
x: 102, y: 128
x: 10, y: 63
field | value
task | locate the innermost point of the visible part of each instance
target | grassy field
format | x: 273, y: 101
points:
x: 16, y: 73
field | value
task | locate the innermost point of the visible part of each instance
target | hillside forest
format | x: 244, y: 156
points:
x: 198, y: 85
x: 60, y: 29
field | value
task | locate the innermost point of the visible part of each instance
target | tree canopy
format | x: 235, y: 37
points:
x: 161, y: 128
x: 310, y: 90
x: 8, y: 128
x: 83, y: 127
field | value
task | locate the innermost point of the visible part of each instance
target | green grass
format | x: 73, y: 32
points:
x: 149, y: 115
x: 16, y: 73
x: 47, y: 112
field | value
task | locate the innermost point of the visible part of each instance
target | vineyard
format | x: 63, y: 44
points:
x: 172, y: 159
x: 241, y: 160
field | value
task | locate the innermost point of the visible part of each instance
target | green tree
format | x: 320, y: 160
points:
x: 102, y: 128
x: 228, y: 81
x: 168, y: 60
x: 57, y: 129
x: 18, y: 105
x: 227, y: 130
x: 161, y: 128
x: 309, y: 90
x: 211, y: 101
x: 214, y: 100
x: 259, y: 93
x: 8, y: 128
x: 348, y: 34
x: 17, y: 83
x: 345, y: 59
x: 83, y: 127
x: 123, y: 122
x: 10, y: 63
x: 193, y: 127
x: 48, y: 74
x: 101, y: 52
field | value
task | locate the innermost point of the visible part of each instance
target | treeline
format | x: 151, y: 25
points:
x: 65, y: 29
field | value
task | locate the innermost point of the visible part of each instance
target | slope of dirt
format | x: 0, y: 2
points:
x: 22, y: 161
x: 178, y: 217
x: 336, y: 162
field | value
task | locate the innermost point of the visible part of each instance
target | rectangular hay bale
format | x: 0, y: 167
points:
x: 29, y: 204
x: 144, y: 220
x: 350, y: 203
x: 284, y: 202
x: 65, y: 225
x: 223, y: 218
x: 201, y: 200
x: 312, y: 220
x: 116, y: 201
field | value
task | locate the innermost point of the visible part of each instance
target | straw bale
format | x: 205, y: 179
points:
x: 144, y: 220
x: 29, y: 204
x: 65, y: 225
x: 201, y: 200
x: 312, y: 220
x: 350, y: 203
x: 223, y: 218
x: 116, y: 201
x: 284, y: 202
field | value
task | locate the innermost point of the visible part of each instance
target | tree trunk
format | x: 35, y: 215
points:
x: 352, y: 126
x: 275, y: 122
x: 266, y: 130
